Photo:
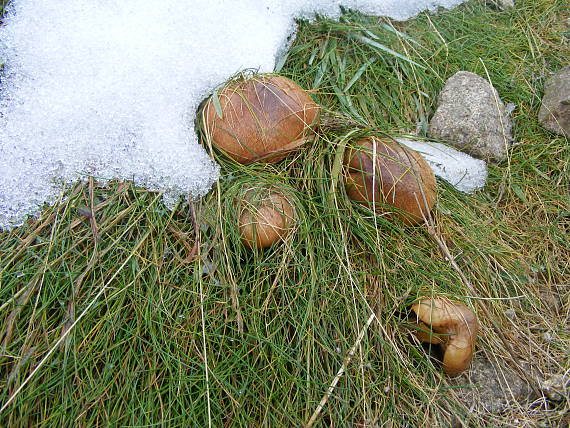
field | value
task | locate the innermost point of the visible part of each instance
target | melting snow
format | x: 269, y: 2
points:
x: 110, y: 88
x: 462, y: 171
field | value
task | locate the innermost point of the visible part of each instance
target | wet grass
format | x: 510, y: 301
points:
x: 118, y: 312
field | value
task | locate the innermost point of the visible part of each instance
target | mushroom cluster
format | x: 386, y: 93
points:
x: 264, y: 118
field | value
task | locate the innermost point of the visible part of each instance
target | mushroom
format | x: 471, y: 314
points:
x: 265, y: 216
x: 456, y: 327
x: 259, y: 118
x: 381, y: 172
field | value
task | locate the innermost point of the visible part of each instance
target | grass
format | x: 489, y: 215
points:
x: 128, y: 314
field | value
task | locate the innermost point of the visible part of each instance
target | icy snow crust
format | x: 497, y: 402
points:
x: 462, y: 171
x: 110, y: 88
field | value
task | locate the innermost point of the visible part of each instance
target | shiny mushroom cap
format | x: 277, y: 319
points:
x: 381, y: 172
x: 260, y: 118
x: 266, y: 216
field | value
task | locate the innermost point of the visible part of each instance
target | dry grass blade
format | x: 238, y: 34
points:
x: 340, y: 372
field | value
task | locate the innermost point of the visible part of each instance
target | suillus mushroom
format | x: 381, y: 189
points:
x: 380, y: 172
x: 455, y: 327
x: 266, y: 216
x: 260, y: 118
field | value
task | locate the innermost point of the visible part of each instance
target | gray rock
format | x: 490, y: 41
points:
x: 471, y: 116
x: 505, y: 4
x: 490, y: 387
x: 554, y: 113
x: 556, y: 387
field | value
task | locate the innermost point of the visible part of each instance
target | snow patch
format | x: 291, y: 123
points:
x: 110, y: 88
x: 462, y: 171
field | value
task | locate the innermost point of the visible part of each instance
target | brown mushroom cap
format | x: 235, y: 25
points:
x: 381, y: 172
x: 266, y: 216
x: 457, y: 326
x: 263, y: 118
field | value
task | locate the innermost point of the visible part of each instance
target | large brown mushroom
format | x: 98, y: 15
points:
x: 266, y: 216
x: 261, y: 118
x: 381, y: 172
x: 455, y: 327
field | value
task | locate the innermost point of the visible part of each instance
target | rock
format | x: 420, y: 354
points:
x: 554, y: 113
x: 471, y: 116
x: 504, y: 4
x: 557, y: 387
x: 488, y: 387
x: 510, y: 313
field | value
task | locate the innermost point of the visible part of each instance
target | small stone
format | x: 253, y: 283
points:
x: 208, y: 266
x: 510, y: 313
x: 506, y: 4
x: 554, y: 113
x: 491, y: 387
x: 510, y: 107
x: 471, y: 117
x: 556, y: 387
x: 547, y: 337
x: 503, y: 4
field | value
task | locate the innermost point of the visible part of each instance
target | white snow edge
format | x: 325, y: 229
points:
x: 462, y: 171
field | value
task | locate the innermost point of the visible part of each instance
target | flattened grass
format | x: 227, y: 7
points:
x: 157, y: 317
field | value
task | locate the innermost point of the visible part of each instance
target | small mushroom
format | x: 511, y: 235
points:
x: 266, y: 216
x: 456, y: 330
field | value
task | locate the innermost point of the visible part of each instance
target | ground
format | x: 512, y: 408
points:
x: 118, y: 312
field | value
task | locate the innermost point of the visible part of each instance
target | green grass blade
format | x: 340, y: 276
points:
x: 359, y: 73
x: 379, y: 46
